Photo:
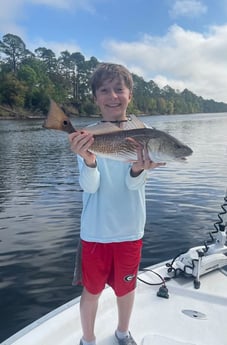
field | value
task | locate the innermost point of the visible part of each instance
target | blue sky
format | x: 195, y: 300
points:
x: 182, y: 43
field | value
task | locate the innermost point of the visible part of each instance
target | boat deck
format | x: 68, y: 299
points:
x: 188, y: 317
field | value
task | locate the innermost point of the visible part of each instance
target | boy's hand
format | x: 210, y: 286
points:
x: 80, y: 143
x: 143, y: 162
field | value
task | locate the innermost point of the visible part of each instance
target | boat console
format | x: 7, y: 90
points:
x: 201, y: 260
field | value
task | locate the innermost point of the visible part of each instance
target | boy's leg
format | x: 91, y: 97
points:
x: 93, y: 280
x: 125, y: 305
x: 88, y: 310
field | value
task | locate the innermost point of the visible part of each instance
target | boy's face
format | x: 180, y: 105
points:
x: 113, y: 98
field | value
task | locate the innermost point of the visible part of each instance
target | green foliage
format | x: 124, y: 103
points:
x: 28, y: 80
x: 12, y: 91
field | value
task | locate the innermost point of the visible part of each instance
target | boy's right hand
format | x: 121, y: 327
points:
x: 80, y: 143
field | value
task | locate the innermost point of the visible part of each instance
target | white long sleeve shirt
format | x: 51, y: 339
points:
x: 113, y: 202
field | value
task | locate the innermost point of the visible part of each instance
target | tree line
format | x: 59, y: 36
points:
x: 28, y: 79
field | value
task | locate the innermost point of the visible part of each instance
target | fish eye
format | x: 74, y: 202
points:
x: 178, y: 146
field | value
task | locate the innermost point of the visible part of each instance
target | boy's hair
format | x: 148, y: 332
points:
x: 110, y: 71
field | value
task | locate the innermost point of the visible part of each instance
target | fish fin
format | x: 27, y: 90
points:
x: 102, y: 128
x: 135, y: 143
x: 57, y: 119
x: 132, y: 123
x: 107, y: 127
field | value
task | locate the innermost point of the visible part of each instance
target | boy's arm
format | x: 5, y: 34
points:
x: 137, y: 174
x: 80, y: 142
x: 135, y: 182
x: 89, y: 175
x: 89, y: 178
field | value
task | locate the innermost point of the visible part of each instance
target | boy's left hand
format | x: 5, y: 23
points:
x: 143, y: 162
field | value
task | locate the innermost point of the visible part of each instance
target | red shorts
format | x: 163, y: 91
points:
x: 115, y: 264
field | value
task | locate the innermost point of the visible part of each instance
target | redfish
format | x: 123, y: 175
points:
x: 121, y: 144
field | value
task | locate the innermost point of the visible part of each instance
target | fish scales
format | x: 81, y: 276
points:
x: 114, y: 142
x: 114, y: 145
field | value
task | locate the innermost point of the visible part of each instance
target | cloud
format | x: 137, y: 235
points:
x: 56, y: 47
x: 187, y: 8
x: 181, y: 59
x: 10, y: 12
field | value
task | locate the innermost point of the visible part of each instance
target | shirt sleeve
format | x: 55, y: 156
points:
x: 136, y: 182
x: 89, y: 177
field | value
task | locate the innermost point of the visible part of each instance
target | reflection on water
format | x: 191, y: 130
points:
x: 40, y: 205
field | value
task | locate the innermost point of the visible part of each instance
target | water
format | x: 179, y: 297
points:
x: 40, y: 205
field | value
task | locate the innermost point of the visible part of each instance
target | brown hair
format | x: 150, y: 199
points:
x: 110, y: 71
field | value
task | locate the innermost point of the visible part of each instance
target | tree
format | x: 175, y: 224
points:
x: 79, y: 77
x: 48, y: 58
x: 12, y: 91
x: 28, y: 80
x: 27, y: 75
x: 15, y: 51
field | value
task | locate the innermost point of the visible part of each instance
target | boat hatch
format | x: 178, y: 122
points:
x: 194, y: 314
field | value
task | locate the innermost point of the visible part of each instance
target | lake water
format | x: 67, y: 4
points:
x: 40, y: 205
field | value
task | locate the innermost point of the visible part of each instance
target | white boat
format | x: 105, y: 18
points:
x: 179, y: 302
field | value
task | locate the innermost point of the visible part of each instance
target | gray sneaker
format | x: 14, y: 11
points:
x: 128, y: 340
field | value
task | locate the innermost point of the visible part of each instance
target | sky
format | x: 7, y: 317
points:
x: 180, y: 43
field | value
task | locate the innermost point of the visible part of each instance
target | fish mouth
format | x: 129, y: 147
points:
x: 184, y: 158
x: 185, y: 154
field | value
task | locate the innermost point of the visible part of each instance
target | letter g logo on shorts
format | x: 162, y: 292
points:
x: 129, y: 277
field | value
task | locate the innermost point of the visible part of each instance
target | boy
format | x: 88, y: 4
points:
x: 113, y: 216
